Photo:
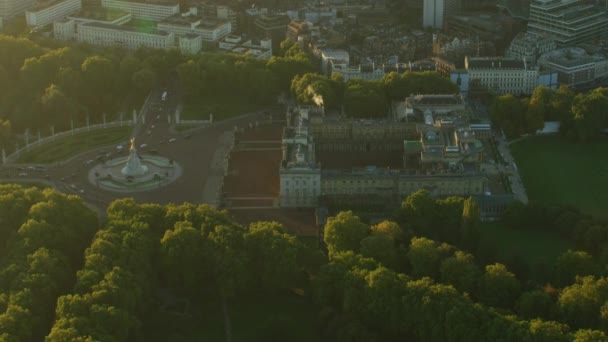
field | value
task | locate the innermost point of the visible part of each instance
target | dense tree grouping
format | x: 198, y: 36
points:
x: 413, y: 278
x: 44, y: 234
x: 45, y: 87
x: 582, y: 116
x: 367, y: 99
x: 53, y: 86
x: 192, y: 250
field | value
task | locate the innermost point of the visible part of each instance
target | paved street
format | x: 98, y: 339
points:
x: 194, y: 151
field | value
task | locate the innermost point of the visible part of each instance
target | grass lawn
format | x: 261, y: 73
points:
x: 248, y: 314
x: 531, y: 245
x: 68, y: 146
x: 559, y: 172
x: 222, y: 109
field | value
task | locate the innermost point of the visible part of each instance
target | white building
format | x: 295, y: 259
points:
x: 569, y: 22
x: 48, y: 11
x: 64, y: 29
x: 210, y: 30
x: 144, y: 10
x: 433, y: 12
x: 575, y: 66
x: 335, y: 55
x: 102, y: 16
x: 190, y: 43
x: 368, y: 73
x: 529, y: 47
x: 502, y: 76
x: 238, y: 45
x: 11, y: 8
x: 126, y: 37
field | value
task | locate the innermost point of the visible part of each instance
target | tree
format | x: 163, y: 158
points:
x: 549, y: 331
x: 469, y: 229
x: 365, y: 99
x: 589, y: 114
x: 183, y: 257
x: 425, y: 257
x: 143, y: 80
x: 580, y: 303
x: 389, y: 229
x: 314, y: 88
x: 57, y: 107
x: 461, y: 271
x: 272, y: 254
x: 535, y: 117
x: 571, y: 264
x: 344, y: 232
x: 498, y: 287
x: 587, y: 335
x: 417, y: 212
x: 380, y: 247
x: 508, y: 112
x: 535, y: 304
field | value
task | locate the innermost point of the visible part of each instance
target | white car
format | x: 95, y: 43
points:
x: 143, y: 145
x: 120, y: 147
x: 89, y: 162
x: 81, y: 192
x: 23, y: 174
x: 172, y: 140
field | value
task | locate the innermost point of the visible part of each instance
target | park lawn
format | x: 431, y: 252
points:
x: 560, y: 172
x: 221, y: 108
x: 68, y: 146
x: 530, y: 245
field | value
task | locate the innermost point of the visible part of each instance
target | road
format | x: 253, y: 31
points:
x: 192, y: 151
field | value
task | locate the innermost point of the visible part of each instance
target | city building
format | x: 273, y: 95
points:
x: 574, y: 66
x: 64, y: 29
x: 210, y: 30
x: 140, y: 9
x: 502, y: 76
x: 225, y: 13
x: 261, y: 49
x: 102, y: 16
x: 436, y: 150
x: 123, y: 36
x: 273, y: 26
x: 46, y: 12
x: 190, y: 43
x: 529, y: 47
x: 366, y: 72
x: 569, y: 22
x: 433, y: 12
x: 335, y: 55
x: 12, y: 8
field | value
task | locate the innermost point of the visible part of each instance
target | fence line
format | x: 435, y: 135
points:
x: 13, y: 156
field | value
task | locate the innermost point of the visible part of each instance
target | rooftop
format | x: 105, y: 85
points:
x: 40, y: 5
x: 436, y: 100
x: 495, y: 63
x: 179, y: 20
x: 153, y: 2
x: 104, y: 14
x: 124, y: 28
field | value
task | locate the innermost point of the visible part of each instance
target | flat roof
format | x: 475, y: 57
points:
x: 40, y: 5
x: 103, y: 13
x: 495, y: 63
x: 124, y: 28
x: 178, y: 19
x: 152, y: 2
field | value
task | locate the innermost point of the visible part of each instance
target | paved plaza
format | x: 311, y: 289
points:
x: 213, y: 164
